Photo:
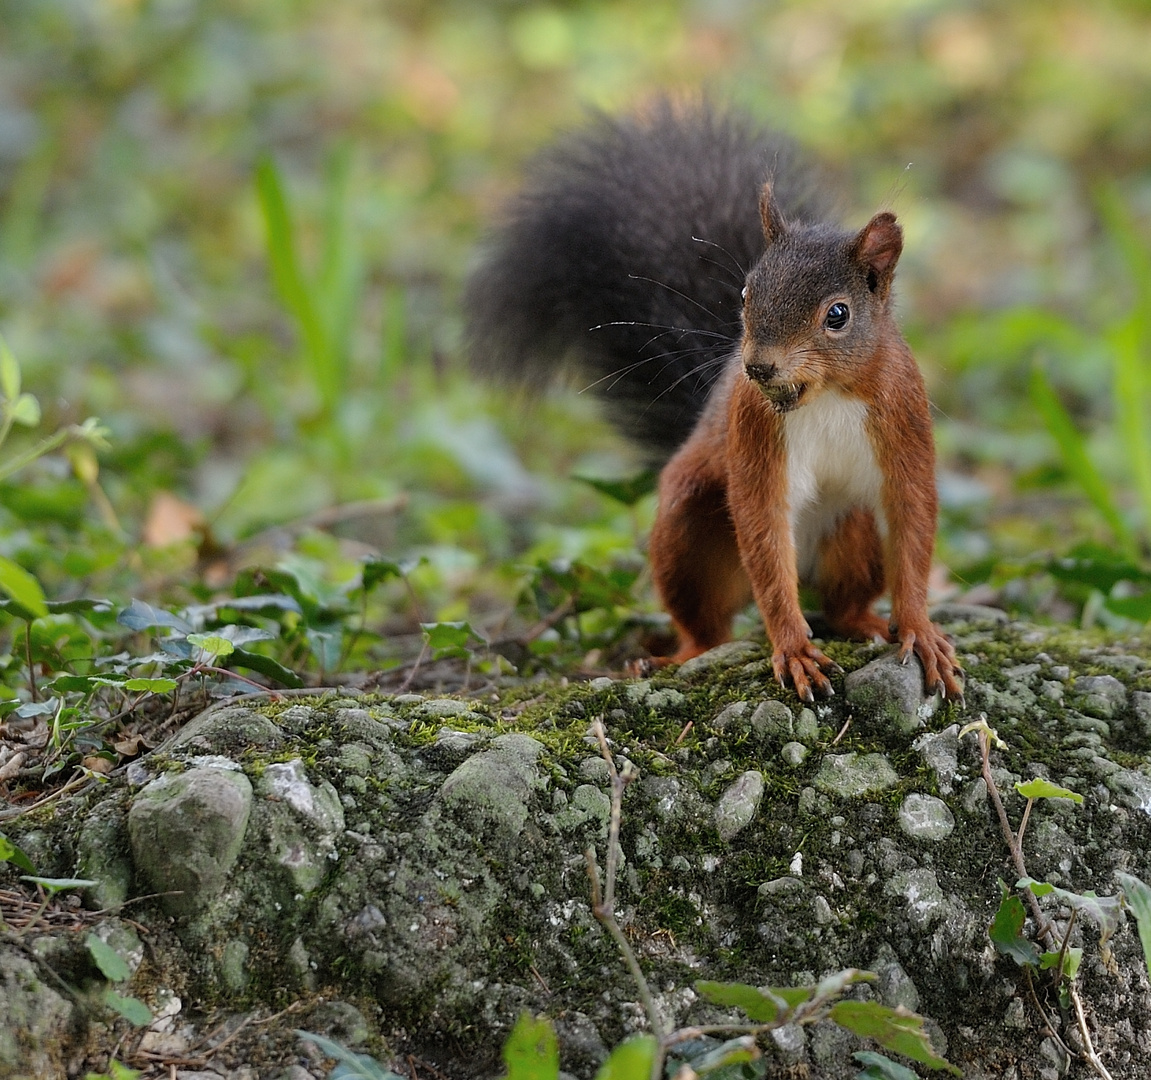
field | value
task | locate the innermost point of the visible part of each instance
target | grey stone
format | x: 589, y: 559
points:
x: 972, y: 614
x: 1099, y: 695
x: 227, y: 730
x: 588, y: 804
x: 437, y: 707
x: 1141, y: 704
x: 772, y: 718
x: 301, y: 822
x: 893, y: 691
x: 492, y: 789
x: 894, y: 985
x: 738, y: 805
x: 233, y: 965
x: 850, y: 775
x: 940, y: 753
x: 729, y: 654
x: 924, y: 817
x: 807, y: 726
x: 105, y: 857
x: 926, y: 904
x: 733, y: 715
x: 794, y: 753
x: 781, y: 886
x: 186, y: 830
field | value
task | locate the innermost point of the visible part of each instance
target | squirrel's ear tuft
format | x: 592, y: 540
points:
x: 877, y: 247
x: 773, y: 224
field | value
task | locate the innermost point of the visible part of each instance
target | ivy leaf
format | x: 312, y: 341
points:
x: 58, y: 884
x: 630, y: 1059
x: 352, y: 1066
x: 108, y: 960
x: 1044, y: 789
x: 131, y: 1009
x: 24, y: 589
x: 212, y: 646
x: 449, y: 639
x: 1006, y: 929
x: 760, y: 1006
x: 9, y: 852
x: 1103, y: 911
x: 1071, y: 961
x: 531, y: 1052
x: 898, y: 1030
x: 141, y: 616
x: 9, y: 372
x: 266, y: 666
x: 154, y: 686
x: 1138, y: 898
x: 881, y: 1068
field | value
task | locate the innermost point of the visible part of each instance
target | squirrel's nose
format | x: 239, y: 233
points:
x: 760, y: 372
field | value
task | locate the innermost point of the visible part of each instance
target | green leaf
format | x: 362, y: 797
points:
x: 881, y: 1068
x: 266, y: 666
x: 116, y: 1071
x: 9, y: 372
x: 631, y: 1060
x: 55, y: 885
x: 25, y: 410
x: 141, y: 616
x: 1073, y: 448
x: 1138, y: 898
x: 733, y: 1052
x: 531, y: 1052
x: 212, y: 646
x: 628, y: 491
x: 9, y: 852
x: 1071, y: 961
x: 763, y: 1007
x: 1104, y: 911
x: 23, y: 588
x: 898, y: 1030
x: 154, y: 686
x: 352, y: 1066
x: 377, y: 570
x: 450, y: 638
x: 131, y: 1009
x: 1006, y: 929
x: 108, y: 960
x: 1044, y: 789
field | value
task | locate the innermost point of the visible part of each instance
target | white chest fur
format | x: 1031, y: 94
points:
x: 831, y: 469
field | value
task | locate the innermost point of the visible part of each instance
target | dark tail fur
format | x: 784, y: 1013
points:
x: 624, y: 256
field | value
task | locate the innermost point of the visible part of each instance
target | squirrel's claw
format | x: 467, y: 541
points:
x: 941, y: 671
x: 805, y: 668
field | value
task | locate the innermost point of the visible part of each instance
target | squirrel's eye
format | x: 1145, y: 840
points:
x: 837, y: 317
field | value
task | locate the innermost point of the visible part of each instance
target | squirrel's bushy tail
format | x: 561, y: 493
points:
x: 624, y: 256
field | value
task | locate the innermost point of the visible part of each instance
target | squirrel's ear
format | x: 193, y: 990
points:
x: 877, y: 247
x: 773, y: 223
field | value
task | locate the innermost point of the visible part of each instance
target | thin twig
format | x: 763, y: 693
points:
x: 1088, y: 1047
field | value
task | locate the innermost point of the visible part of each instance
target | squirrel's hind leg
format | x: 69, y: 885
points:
x: 694, y: 557
x: 850, y: 577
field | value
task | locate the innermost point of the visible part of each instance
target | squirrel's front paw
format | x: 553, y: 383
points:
x: 941, y: 671
x: 804, y: 665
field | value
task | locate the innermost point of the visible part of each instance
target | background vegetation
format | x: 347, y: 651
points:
x: 235, y: 232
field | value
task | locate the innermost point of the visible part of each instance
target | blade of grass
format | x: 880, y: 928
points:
x: 340, y: 277
x: 290, y: 283
x: 1128, y: 341
x: 1073, y: 448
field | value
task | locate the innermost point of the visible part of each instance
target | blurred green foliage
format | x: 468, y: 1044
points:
x: 235, y: 232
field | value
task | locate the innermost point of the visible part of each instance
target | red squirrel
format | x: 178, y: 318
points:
x: 683, y: 260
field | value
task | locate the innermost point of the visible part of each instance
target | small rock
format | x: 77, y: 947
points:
x: 186, y: 830
x: 851, y: 775
x: 1099, y: 695
x: 924, y: 817
x: 794, y: 753
x: 227, y: 731
x: 892, y: 690
x: 781, y: 886
x: 949, y: 613
x: 438, y: 707
x: 1141, y: 703
x: 738, y: 805
x: 940, y: 753
x: 726, y: 655
x: 807, y: 726
x: 772, y: 718
x: 730, y: 716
